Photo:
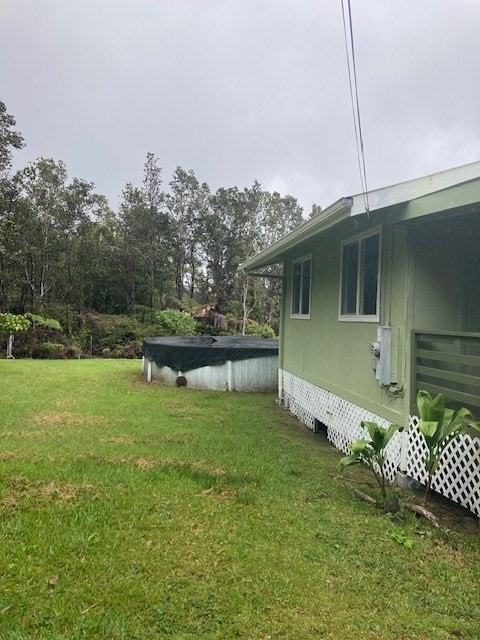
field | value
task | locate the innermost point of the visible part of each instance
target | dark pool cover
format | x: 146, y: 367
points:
x: 185, y: 354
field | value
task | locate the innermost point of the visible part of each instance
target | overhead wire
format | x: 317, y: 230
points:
x: 353, y: 86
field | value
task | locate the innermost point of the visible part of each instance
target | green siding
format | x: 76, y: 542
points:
x: 429, y: 281
x: 334, y: 354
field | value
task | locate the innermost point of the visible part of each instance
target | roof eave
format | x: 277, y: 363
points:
x: 274, y: 253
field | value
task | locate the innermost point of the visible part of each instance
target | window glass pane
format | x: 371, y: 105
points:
x: 369, y: 284
x: 349, y: 278
x: 296, y: 284
x: 307, y: 264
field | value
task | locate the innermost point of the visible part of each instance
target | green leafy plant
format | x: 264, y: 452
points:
x: 402, y: 538
x: 10, y: 324
x: 171, y: 322
x: 48, y: 323
x: 438, y: 426
x: 372, y: 452
x: 52, y: 350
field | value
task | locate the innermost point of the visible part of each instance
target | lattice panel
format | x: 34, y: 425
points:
x: 304, y: 400
x: 342, y: 418
x: 458, y: 476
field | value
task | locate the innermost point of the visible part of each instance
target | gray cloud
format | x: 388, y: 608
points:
x: 239, y: 90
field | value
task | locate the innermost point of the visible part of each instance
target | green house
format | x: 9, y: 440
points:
x: 381, y: 298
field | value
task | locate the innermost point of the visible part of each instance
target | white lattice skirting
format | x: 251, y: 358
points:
x: 458, y: 477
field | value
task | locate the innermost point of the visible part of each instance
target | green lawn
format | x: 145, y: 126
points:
x: 131, y: 511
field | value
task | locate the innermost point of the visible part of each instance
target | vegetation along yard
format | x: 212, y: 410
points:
x: 130, y: 510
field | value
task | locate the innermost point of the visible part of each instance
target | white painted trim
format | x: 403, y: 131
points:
x: 324, y: 220
x: 355, y: 205
x: 302, y: 316
x: 359, y: 237
x: 416, y: 188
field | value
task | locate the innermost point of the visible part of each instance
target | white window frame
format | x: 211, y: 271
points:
x: 301, y: 316
x: 360, y: 239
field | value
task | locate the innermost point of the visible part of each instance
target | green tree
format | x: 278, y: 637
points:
x: 9, y: 139
x: 157, y: 233
x: 187, y: 206
x: 10, y: 324
x: 10, y: 265
x: 145, y: 240
x: 41, y: 216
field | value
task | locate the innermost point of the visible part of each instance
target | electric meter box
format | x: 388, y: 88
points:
x: 386, y: 370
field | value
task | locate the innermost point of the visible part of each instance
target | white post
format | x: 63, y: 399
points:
x: 404, y: 450
x: 149, y: 370
x: 10, y: 346
x: 229, y: 375
x: 280, y: 387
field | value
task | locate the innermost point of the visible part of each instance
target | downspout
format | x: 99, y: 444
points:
x: 408, y: 365
x: 281, y: 324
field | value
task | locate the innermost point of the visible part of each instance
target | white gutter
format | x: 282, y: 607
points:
x: 416, y: 188
x: 331, y: 216
x: 355, y: 205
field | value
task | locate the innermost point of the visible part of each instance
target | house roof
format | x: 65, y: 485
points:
x: 348, y: 207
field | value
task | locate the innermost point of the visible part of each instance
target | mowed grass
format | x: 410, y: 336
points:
x: 130, y: 510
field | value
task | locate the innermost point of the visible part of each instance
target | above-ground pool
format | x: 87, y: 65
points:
x: 232, y: 363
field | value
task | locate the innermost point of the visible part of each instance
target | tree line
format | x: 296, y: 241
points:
x: 169, y: 245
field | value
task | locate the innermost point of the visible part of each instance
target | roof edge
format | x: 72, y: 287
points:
x: 327, y: 218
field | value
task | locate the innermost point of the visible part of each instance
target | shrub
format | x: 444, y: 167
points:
x: 171, y: 322
x: 114, y: 336
x: 259, y: 330
x: 52, y: 350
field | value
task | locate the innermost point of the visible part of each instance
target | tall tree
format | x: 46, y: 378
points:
x: 187, y: 205
x: 228, y: 236
x: 157, y: 233
x: 9, y: 139
x: 9, y: 230
x: 43, y: 211
x: 145, y: 240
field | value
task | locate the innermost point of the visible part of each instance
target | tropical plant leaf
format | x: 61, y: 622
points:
x: 438, y: 425
x: 427, y: 428
x: 391, y: 431
x: 360, y: 447
x: 349, y: 460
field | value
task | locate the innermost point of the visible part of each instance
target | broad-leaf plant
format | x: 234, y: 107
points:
x: 439, y: 425
x: 372, y: 451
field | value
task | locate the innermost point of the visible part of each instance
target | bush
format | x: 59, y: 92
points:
x: 259, y: 330
x: 171, y: 322
x: 52, y: 350
x: 114, y: 336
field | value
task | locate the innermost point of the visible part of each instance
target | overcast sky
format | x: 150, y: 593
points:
x: 239, y: 90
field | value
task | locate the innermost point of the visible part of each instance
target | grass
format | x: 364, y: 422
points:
x: 132, y: 511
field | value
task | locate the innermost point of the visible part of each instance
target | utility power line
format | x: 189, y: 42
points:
x: 353, y: 85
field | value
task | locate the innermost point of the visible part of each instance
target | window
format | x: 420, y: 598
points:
x: 302, y: 275
x: 360, y: 278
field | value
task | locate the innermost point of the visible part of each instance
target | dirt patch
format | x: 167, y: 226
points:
x: 7, y: 456
x: 20, y: 490
x: 120, y: 440
x: 221, y: 493
x: 59, y: 419
x: 144, y: 464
